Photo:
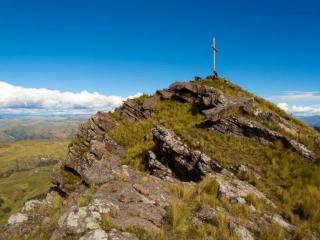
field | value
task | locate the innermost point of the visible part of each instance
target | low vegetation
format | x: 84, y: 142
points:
x: 24, y: 184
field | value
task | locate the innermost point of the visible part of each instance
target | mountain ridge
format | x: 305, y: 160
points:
x: 197, y: 160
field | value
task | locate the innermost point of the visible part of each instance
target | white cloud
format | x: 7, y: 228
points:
x: 297, y: 96
x: 300, y: 110
x: 14, y: 99
x: 306, y: 110
x: 283, y: 106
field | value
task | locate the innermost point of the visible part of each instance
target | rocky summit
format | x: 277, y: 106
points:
x: 203, y: 159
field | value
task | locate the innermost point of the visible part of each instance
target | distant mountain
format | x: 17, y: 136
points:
x: 313, y: 121
x: 15, y: 128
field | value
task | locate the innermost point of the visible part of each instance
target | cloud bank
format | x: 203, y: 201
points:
x: 15, y: 99
x: 298, y: 102
x: 297, y: 96
x: 300, y: 110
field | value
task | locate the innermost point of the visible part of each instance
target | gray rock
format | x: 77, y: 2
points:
x: 97, y: 234
x: 31, y: 205
x: 207, y: 214
x: 93, y: 156
x: 132, y: 111
x: 17, y: 218
x: 241, y: 232
x: 282, y: 223
x: 176, y: 157
x: 78, y: 220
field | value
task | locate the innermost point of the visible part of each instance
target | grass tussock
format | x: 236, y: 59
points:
x: 191, y: 197
x: 133, y: 137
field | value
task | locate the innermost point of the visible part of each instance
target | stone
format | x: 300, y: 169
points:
x: 276, y: 218
x: 93, y: 156
x: 31, y: 205
x: 17, y: 218
x: 97, y: 234
x: 175, y: 158
x: 241, y: 232
x: 275, y: 118
x: 132, y: 111
x: 218, y: 112
x: 253, y: 130
x: 150, y: 103
x: 207, y: 214
x: 76, y: 221
x: 157, y: 168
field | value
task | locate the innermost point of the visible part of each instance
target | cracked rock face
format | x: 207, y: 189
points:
x: 173, y: 156
x: 93, y: 156
x: 213, y: 103
x: 139, y: 201
x: 132, y: 111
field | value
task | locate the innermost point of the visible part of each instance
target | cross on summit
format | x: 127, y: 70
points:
x: 214, y: 50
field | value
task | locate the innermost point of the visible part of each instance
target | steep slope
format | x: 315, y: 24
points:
x: 199, y: 160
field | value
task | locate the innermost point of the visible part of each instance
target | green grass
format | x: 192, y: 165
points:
x: 24, y: 185
x: 132, y: 137
x: 191, y: 198
x: 24, y: 151
x: 21, y: 187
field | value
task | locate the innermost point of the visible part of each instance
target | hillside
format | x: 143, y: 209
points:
x: 200, y: 160
x: 25, y: 168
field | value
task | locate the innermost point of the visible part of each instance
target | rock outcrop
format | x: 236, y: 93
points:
x: 219, y: 109
x: 93, y: 156
x: 256, y: 131
x: 213, y: 103
x: 175, y: 157
x: 132, y: 111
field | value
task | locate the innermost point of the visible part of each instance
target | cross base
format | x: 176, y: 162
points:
x: 214, y: 75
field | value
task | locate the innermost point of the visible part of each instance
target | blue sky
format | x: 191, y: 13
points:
x: 124, y: 47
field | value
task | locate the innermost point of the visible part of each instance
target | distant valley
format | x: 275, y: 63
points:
x: 29, y: 148
x: 61, y: 127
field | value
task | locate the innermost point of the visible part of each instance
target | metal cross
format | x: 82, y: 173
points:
x: 214, y: 49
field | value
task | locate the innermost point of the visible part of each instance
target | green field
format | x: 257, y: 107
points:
x: 23, y: 185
